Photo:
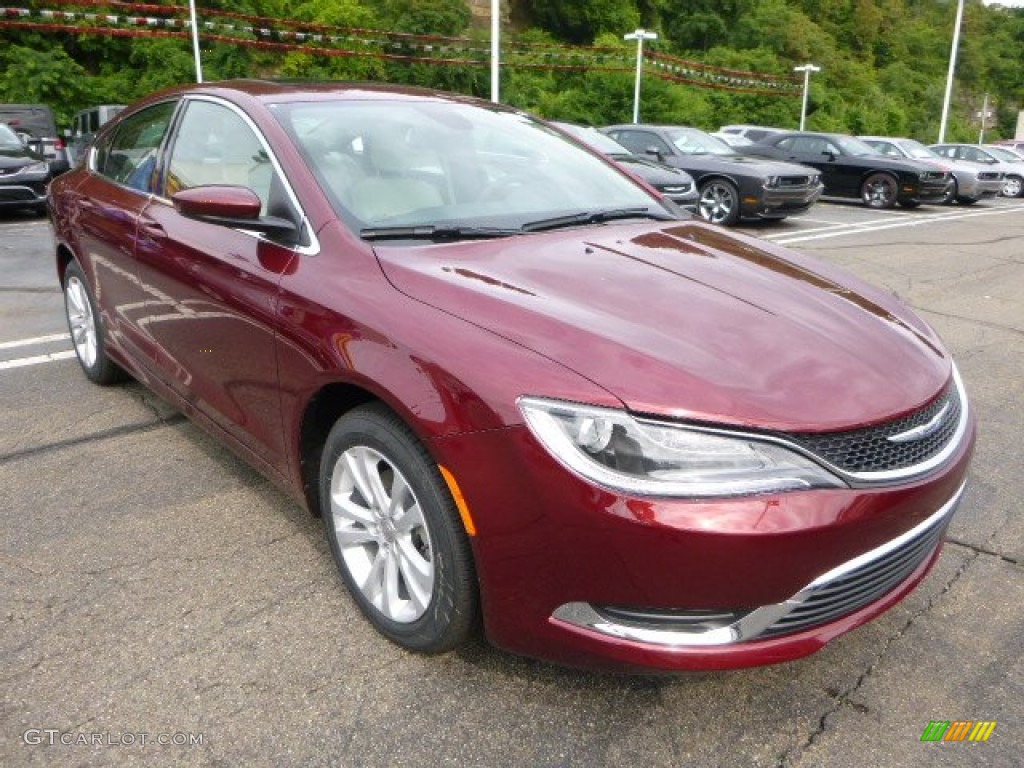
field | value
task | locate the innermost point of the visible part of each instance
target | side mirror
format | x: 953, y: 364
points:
x: 829, y: 154
x: 232, y: 207
x: 654, y: 152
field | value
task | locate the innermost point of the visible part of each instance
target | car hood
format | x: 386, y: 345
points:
x: 688, y: 321
x: 653, y: 173
x: 750, y: 164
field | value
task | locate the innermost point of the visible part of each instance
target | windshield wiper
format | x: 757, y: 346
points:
x: 596, y: 217
x: 434, y: 232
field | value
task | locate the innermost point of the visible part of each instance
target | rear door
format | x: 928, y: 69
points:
x: 108, y: 204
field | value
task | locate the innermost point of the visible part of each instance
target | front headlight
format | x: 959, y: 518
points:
x: 36, y: 169
x: 611, y: 448
x: 770, y: 182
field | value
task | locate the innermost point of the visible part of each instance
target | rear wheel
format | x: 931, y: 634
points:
x: 879, y: 190
x: 719, y: 202
x: 395, y: 532
x: 86, y: 327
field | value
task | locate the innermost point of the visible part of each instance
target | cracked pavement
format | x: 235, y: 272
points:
x: 153, y: 583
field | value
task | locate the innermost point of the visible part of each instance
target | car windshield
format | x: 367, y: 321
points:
x: 8, y: 138
x: 918, y: 150
x: 593, y: 138
x: 690, y: 141
x: 855, y: 147
x: 393, y: 166
x: 1005, y: 155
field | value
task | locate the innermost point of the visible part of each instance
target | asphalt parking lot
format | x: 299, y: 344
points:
x: 158, y: 590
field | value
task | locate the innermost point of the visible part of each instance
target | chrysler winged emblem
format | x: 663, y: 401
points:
x: 923, y: 430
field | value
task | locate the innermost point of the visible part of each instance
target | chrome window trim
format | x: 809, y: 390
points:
x: 314, y: 243
x: 584, y: 615
x: 305, y: 250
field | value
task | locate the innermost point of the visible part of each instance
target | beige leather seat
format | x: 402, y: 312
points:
x: 391, y: 190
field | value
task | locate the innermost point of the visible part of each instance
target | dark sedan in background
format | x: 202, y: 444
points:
x: 852, y: 169
x: 674, y: 183
x: 732, y: 186
x: 23, y: 173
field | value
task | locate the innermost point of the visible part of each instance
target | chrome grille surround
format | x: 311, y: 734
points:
x: 890, y: 446
x: 840, y: 592
x: 954, y: 429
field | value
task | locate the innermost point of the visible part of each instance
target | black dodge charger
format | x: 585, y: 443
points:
x: 851, y: 168
x: 731, y: 185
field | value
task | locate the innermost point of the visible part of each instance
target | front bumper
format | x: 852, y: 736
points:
x: 551, y: 546
x: 778, y: 202
x: 23, y: 193
x: 926, y: 191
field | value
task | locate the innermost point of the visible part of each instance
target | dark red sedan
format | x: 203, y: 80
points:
x: 519, y: 388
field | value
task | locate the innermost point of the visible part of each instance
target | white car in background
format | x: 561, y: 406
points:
x: 971, y: 182
x: 1013, y: 174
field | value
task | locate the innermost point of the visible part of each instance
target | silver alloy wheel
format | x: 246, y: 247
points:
x: 879, y: 191
x: 381, y: 534
x: 717, y: 202
x: 1012, y: 186
x: 81, y: 320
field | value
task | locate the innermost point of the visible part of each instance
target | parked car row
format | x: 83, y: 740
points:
x: 759, y: 172
x: 32, y: 152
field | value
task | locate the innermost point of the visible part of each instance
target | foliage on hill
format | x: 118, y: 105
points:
x: 883, y: 61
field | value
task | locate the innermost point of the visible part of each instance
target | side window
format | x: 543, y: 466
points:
x: 129, y: 156
x: 808, y: 145
x: 214, y: 145
x: 638, y: 142
x: 787, y: 143
x: 887, y: 149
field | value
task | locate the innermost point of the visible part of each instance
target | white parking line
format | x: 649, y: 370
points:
x: 21, y: 362
x: 36, y: 340
x: 875, y: 226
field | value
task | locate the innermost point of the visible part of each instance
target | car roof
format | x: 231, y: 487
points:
x: 278, y: 91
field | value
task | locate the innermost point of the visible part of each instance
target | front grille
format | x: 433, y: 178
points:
x: 870, y: 449
x: 684, y: 620
x: 935, y: 175
x: 831, y: 599
x: 791, y: 182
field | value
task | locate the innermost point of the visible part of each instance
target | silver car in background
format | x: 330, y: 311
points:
x: 981, y: 157
x: 1015, y: 157
x: 971, y: 182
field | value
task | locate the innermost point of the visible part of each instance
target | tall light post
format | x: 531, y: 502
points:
x: 639, y: 35
x: 495, y: 47
x: 806, y: 69
x: 195, y: 40
x: 952, y: 68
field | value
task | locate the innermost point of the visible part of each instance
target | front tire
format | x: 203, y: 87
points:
x: 395, y: 532
x: 1013, y: 187
x: 951, y: 194
x: 86, y: 327
x: 719, y: 202
x: 879, y: 190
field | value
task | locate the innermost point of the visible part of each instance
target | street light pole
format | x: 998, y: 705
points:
x: 495, y: 47
x: 952, y: 68
x: 984, y: 114
x: 195, y: 40
x: 639, y: 35
x: 806, y: 69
